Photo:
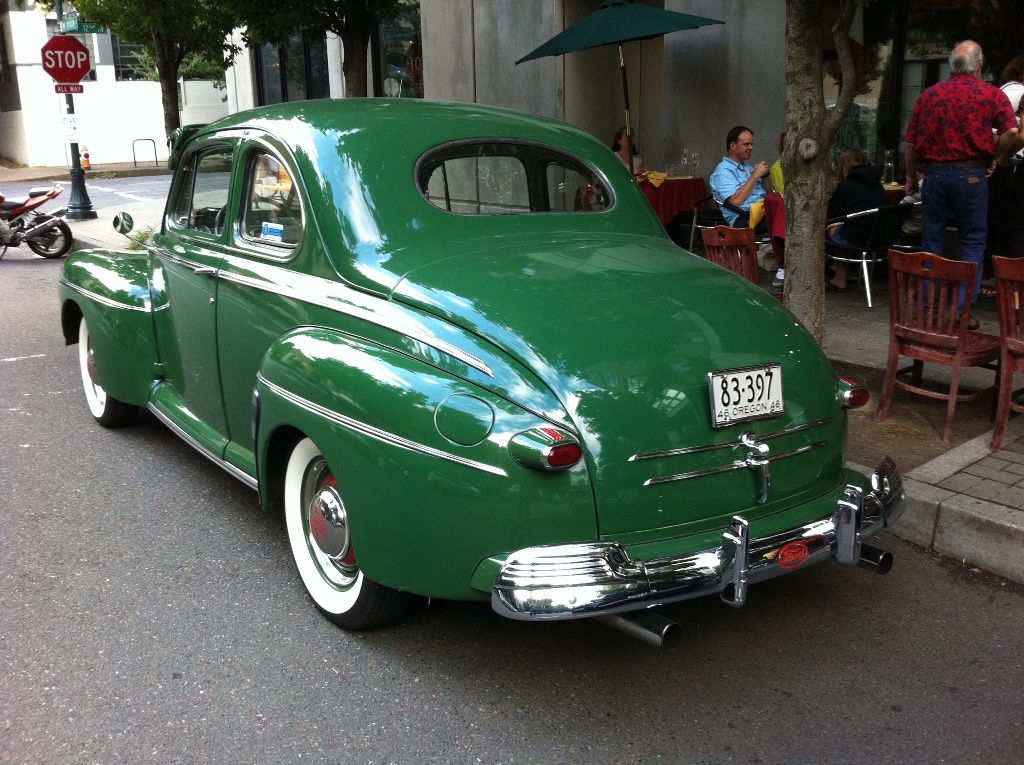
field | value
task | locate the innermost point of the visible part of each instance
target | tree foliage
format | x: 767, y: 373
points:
x: 353, y: 21
x: 170, y: 31
x: 193, y: 67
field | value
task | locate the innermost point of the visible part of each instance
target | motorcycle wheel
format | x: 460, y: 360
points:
x: 53, y: 243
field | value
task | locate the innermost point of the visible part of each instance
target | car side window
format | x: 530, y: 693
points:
x: 273, y: 210
x: 508, y: 177
x: 568, y: 189
x: 203, y: 194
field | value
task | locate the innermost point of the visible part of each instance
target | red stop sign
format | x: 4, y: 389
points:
x: 65, y: 59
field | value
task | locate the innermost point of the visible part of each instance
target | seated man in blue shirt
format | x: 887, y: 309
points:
x: 735, y: 180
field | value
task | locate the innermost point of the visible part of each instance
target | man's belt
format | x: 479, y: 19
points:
x: 960, y: 163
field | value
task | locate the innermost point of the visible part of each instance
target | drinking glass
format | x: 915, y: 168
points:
x: 889, y: 169
x: 695, y: 159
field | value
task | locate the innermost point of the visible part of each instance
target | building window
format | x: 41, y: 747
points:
x: 398, y: 57
x: 295, y: 71
x: 905, y: 49
x: 126, y: 59
x: 10, y: 97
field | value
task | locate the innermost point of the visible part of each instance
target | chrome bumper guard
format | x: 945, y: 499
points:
x: 571, y: 581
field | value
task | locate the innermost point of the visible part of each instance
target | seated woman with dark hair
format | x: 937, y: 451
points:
x: 637, y: 164
x: 860, y: 188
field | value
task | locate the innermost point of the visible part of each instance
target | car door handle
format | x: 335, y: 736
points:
x: 205, y: 270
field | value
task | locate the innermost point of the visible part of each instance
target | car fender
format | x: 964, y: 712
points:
x: 421, y: 458
x: 111, y: 290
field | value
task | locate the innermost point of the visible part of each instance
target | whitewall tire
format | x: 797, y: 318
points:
x: 318, y: 531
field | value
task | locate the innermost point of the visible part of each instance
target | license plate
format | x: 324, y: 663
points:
x: 745, y: 394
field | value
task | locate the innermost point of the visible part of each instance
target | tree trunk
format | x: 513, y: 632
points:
x: 355, y: 40
x: 167, y: 63
x: 807, y: 161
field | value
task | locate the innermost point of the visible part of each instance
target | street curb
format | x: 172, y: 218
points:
x: 985, y: 534
x: 99, y: 174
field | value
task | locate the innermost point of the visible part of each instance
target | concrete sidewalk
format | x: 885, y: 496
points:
x: 967, y: 504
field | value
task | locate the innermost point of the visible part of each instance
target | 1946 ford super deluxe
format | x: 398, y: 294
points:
x: 454, y: 344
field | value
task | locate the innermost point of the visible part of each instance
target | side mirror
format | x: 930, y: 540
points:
x: 123, y: 223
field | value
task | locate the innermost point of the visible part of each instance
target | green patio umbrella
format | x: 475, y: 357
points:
x: 614, y: 23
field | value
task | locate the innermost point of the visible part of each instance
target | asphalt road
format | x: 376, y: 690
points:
x: 108, y: 194
x: 150, y: 613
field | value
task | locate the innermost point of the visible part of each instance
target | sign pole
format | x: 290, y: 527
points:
x: 80, y: 206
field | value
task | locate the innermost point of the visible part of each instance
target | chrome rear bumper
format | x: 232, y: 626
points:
x: 571, y: 581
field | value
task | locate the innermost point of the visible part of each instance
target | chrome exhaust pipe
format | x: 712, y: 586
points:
x: 648, y: 626
x: 39, y: 228
x: 874, y: 559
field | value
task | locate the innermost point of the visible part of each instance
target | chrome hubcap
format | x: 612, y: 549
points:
x: 328, y: 523
x: 328, y: 531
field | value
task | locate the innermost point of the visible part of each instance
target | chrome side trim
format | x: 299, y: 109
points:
x: 223, y: 464
x: 738, y: 465
x: 362, y: 314
x: 376, y: 433
x: 727, y: 444
x: 584, y: 579
x: 102, y: 300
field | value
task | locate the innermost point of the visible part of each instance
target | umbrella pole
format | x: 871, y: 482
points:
x: 625, y: 89
x: 626, y: 145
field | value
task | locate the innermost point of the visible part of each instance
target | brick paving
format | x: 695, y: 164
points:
x: 998, y: 477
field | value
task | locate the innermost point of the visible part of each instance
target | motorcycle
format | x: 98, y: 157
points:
x: 45, y: 233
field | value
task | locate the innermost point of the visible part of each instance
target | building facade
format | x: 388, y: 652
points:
x: 686, y: 89
x: 119, y: 115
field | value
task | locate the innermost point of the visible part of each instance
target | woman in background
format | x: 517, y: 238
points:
x: 617, y: 147
x: 859, y: 188
x: 776, y: 172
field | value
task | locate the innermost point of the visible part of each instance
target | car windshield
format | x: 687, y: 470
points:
x: 506, y: 177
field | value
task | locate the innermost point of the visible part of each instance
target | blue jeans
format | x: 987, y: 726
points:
x: 960, y: 193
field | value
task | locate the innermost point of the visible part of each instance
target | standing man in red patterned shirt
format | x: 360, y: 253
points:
x: 951, y: 136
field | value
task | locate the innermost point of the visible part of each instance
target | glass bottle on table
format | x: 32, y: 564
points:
x: 695, y: 160
x: 888, y: 169
x: 684, y: 163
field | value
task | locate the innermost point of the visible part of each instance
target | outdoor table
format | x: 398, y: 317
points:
x: 673, y: 196
x: 775, y: 219
x: 895, y: 194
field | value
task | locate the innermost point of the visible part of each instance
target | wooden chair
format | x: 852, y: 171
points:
x: 1010, y: 296
x: 924, y: 326
x: 733, y: 248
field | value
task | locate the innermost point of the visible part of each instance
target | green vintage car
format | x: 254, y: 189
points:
x: 455, y: 346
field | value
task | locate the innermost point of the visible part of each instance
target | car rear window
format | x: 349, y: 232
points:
x: 508, y: 178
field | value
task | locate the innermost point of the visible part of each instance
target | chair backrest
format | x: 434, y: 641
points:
x: 733, y: 248
x: 1010, y: 295
x: 886, y: 225
x: 924, y: 290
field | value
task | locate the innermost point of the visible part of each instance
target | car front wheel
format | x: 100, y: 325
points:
x: 318, y: 530
x: 108, y: 411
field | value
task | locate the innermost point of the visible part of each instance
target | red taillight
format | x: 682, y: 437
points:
x: 565, y: 455
x: 545, y: 448
x: 854, y: 396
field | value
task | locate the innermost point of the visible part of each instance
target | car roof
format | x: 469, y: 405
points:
x: 357, y: 161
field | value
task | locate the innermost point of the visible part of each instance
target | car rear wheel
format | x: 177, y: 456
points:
x: 108, y: 411
x: 318, y: 530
